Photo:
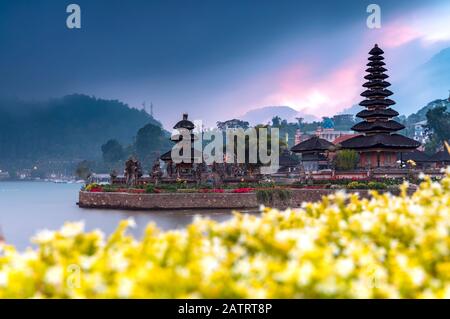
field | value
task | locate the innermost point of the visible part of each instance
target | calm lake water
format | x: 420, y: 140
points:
x: 27, y: 207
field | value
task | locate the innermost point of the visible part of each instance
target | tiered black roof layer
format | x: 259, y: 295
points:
x: 378, y: 126
x: 388, y: 113
x: 186, y: 124
x: 390, y: 141
x: 313, y: 144
x: 288, y: 160
x: 376, y: 63
x: 376, y: 50
x: 416, y: 156
x: 376, y: 93
x: 441, y: 156
x: 376, y: 76
x: 376, y: 69
x: 377, y: 84
x: 377, y: 102
x: 376, y: 58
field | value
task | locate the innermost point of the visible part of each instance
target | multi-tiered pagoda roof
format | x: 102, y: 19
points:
x: 184, y: 124
x: 378, y: 128
x: 314, y: 144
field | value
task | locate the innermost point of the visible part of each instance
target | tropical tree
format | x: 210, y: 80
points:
x: 83, y: 170
x: 276, y: 121
x: 112, y: 151
x: 346, y: 159
x: 438, y: 126
x: 234, y: 123
x: 149, y: 141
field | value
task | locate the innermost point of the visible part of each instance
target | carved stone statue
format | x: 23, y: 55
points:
x: 156, y: 172
x: 133, y: 171
x: 139, y: 172
x: 199, y: 169
x: 169, y: 168
x: 113, y: 174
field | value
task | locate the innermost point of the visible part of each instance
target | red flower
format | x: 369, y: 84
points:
x: 243, y: 190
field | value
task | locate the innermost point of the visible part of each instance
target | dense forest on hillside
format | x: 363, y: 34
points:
x: 55, y: 136
x: 71, y: 129
x: 421, y: 115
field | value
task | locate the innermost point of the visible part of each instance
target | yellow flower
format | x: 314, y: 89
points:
x: 72, y: 229
x: 341, y: 247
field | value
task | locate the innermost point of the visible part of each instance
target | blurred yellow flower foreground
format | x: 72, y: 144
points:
x: 386, y: 247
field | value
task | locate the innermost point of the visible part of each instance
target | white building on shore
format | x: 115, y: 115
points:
x: 4, y: 175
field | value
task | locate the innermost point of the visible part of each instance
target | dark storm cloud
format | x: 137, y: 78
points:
x: 125, y: 45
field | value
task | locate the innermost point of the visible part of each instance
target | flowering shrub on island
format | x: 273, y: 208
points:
x: 341, y: 247
x: 369, y: 185
x: 151, y: 188
x: 212, y: 190
x: 93, y: 188
x: 243, y: 190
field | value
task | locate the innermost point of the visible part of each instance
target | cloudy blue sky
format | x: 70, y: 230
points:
x: 216, y: 59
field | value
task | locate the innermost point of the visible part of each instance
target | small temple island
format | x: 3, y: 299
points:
x: 375, y: 157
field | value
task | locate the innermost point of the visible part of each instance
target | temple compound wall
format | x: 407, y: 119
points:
x: 172, y: 201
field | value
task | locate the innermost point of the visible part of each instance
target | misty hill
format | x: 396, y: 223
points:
x: 352, y: 109
x: 437, y: 69
x: 70, y: 128
x: 264, y: 115
x: 425, y: 83
x: 421, y: 114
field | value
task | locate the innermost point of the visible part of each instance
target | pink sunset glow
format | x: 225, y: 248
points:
x: 311, y: 88
x: 319, y: 96
x: 397, y: 34
x: 316, y: 68
x: 430, y: 27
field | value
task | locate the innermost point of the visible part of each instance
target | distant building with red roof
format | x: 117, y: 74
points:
x: 343, y: 138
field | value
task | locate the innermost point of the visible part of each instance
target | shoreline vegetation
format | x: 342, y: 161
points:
x: 340, y: 247
x: 246, y: 187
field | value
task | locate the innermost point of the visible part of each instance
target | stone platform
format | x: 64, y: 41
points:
x: 171, y: 201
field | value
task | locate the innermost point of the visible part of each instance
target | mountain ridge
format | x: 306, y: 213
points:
x: 65, y: 129
x: 264, y: 115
